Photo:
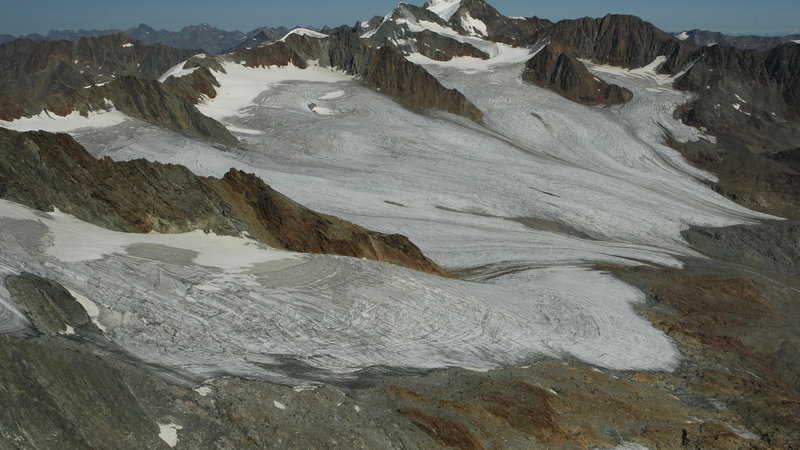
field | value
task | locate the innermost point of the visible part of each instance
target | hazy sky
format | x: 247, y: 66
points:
x: 39, y: 16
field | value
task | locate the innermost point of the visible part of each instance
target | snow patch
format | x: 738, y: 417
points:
x: 444, y: 8
x: 91, y: 308
x: 682, y: 36
x: 177, y: 71
x: 304, y: 32
x: 475, y: 26
x: 169, y: 433
x: 323, y: 111
x: 240, y: 85
x: 54, y: 123
x: 127, y: 45
x: 203, y: 391
x: 278, y: 404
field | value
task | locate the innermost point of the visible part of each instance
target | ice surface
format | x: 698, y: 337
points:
x: 523, y: 206
x: 444, y: 8
x: 241, y: 85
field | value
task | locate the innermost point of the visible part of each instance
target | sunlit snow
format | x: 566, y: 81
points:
x: 444, y: 8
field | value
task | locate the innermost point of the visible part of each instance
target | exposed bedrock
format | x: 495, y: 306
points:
x: 41, y: 69
x: 773, y: 247
x: 569, y: 78
x: 413, y: 86
x: 146, y: 100
x: 42, y: 170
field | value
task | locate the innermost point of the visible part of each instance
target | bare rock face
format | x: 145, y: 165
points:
x: 276, y: 54
x: 568, y: 77
x: 146, y: 100
x: 49, y: 306
x: 773, y: 247
x: 414, y: 87
x: 443, y: 48
x: 35, y: 70
x: 42, y: 170
x: 281, y: 222
x: 618, y: 40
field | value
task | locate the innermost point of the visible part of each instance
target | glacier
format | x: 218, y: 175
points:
x: 523, y: 206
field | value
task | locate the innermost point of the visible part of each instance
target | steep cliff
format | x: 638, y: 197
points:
x: 568, y: 77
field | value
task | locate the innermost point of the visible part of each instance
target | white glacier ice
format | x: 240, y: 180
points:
x: 523, y: 206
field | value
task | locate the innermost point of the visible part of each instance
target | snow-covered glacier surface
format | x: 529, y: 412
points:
x: 523, y: 206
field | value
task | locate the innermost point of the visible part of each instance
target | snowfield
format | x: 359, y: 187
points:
x: 523, y: 206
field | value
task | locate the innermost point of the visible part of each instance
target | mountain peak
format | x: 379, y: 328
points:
x: 443, y: 8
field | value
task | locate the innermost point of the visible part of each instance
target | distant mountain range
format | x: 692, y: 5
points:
x: 203, y: 36
x: 216, y: 41
x: 748, y: 42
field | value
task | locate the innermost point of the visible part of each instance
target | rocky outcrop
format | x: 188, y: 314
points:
x: 413, y: 86
x: 748, y: 42
x: 743, y: 93
x: 277, y: 220
x: 618, y: 40
x: 443, y: 48
x: 35, y: 70
x: 276, y: 54
x: 772, y: 247
x: 750, y: 101
x: 49, y: 307
x: 569, y: 78
x: 42, y: 170
x: 146, y: 100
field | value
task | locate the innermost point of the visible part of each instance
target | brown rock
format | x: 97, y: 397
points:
x: 413, y: 86
x: 569, y: 78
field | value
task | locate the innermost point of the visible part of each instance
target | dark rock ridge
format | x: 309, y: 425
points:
x: 42, y: 170
x: 748, y: 95
x: 748, y: 42
x: 750, y: 100
x: 413, y: 86
x: 568, y: 77
x: 443, y: 48
x: 34, y: 70
x: 618, y: 40
x: 146, y: 100
x: 49, y: 307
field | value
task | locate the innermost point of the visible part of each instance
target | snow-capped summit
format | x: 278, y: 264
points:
x: 443, y: 8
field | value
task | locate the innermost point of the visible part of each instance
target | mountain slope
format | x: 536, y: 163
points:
x: 140, y: 196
